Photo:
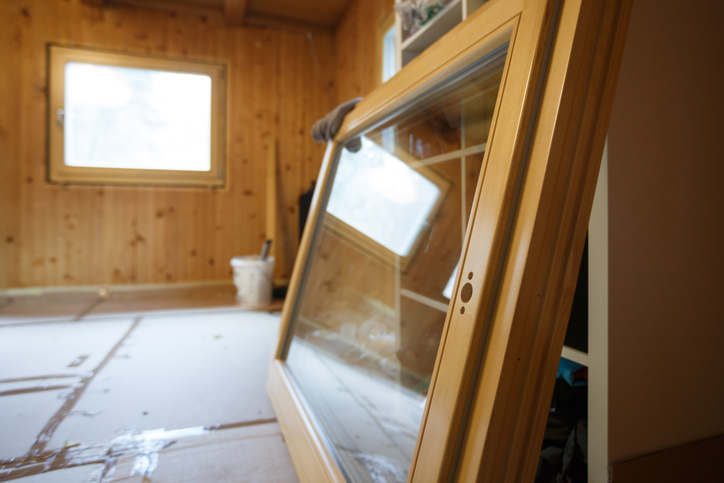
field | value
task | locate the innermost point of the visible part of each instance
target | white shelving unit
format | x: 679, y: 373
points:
x: 596, y: 359
x: 598, y: 329
x: 453, y: 13
x: 575, y: 355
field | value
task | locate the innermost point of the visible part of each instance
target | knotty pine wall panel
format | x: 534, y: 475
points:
x: 358, y: 51
x: 78, y: 235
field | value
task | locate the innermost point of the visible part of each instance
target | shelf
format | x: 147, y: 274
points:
x: 442, y: 23
x: 575, y: 355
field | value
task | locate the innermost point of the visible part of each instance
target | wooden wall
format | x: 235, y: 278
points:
x: 358, y: 58
x: 73, y: 235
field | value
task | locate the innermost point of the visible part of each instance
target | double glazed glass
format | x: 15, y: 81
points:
x: 384, y: 256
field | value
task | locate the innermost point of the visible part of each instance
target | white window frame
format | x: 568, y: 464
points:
x: 59, y: 172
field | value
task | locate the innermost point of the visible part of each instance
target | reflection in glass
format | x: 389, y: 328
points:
x: 375, y: 292
x: 381, y: 197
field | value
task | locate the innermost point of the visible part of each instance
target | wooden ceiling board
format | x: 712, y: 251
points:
x: 320, y: 12
x: 198, y: 7
x: 218, y: 4
x: 234, y: 11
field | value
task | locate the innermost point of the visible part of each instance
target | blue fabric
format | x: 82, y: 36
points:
x: 566, y: 369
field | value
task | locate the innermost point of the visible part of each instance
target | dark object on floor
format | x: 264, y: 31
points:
x: 305, y: 203
x: 265, y: 250
x: 279, y: 293
x: 568, y: 464
x: 564, y: 454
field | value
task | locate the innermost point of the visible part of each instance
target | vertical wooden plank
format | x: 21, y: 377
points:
x: 271, y: 196
x: 239, y: 114
x: 10, y: 236
x: 36, y: 26
x: 317, y: 103
x: 355, y: 42
x: 290, y: 144
x: 234, y: 11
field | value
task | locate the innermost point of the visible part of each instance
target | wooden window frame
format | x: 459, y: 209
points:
x: 59, y: 172
x: 493, y: 376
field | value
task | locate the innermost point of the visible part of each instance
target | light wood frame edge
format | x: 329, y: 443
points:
x: 548, y: 238
x: 310, y: 456
x: 464, y: 333
x: 300, y: 263
x: 59, y: 172
x: 496, y: 26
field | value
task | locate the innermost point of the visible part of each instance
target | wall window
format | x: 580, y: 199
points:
x: 389, y: 53
x: 122, y: 119
x: 387, y: 46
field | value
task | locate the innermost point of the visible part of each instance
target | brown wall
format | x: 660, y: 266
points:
x: 54, y: 235
x: 666, y: 229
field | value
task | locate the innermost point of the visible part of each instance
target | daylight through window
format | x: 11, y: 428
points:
x: 124, y: 119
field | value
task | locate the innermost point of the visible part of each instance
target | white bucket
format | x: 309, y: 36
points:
x: 253, y: 280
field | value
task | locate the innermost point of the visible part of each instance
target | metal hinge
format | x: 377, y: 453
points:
x: 60, y: 117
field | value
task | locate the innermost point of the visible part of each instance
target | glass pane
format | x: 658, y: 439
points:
x: 120, y: 117
x: 371, y: 309
x: 403, y: 199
